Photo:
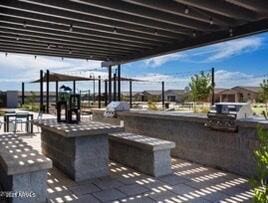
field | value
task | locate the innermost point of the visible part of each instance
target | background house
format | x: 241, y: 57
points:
x: 239, y: 94
x: 173, y: 95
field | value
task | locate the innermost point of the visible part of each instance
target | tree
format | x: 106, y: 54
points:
x: 264, y: 93
x: 260, y: 182
x: 200, y: 87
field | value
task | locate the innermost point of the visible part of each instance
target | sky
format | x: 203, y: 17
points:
x: 241, y: 61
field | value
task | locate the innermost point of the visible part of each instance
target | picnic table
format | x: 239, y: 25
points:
x: 18, y: 115
x: 80, y: 150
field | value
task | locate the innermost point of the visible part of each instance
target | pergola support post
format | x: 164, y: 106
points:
x: 119, y: 82
x: 114, y: 96
x: 110, y: 83
x: 163, y: 95
x: 105, y: 93
x: 41, y: 92
x: 130, y: 93
x: 74, y: 86
x: 57, y: 91
x: 213, y: 86
x: 22, y: 93
x: 99, y: 86
x: 47, y: 102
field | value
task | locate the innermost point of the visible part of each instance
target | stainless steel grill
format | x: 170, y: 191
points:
x: 114, y: 107
x: 223, y: 116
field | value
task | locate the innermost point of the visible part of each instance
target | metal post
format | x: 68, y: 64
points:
x: 163, y: 94
x: 94, y: 90
x: 119, y: 82
x: 47, y: 109
x: 41, y: 92
x: 114, y: 97
x: 110, y: 83
x: 213, y: 86
x: 105, y: 92
x: 22, y: 93
x: 99, y: 99
x: 130, y: 93
x: 57, y: 91
x: 74, y: 86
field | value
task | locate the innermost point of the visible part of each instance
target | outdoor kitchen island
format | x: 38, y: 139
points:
x: 79, y: 150
x: 230, y: 151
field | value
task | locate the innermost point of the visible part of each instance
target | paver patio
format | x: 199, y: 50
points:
x: 189, y: 182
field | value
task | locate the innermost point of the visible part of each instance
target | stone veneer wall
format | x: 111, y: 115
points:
x: 195, y: 142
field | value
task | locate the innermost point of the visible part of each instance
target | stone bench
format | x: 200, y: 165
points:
x: 145, y: 154
x: 23, y: 170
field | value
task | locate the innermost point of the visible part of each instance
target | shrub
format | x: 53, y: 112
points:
x: 260, y: 182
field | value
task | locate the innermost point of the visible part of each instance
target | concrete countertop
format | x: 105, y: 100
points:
x: 76, y: 130
x: 17, y: 157
x: 194, y: 117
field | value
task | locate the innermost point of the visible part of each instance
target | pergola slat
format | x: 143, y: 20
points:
x: 121, y: 31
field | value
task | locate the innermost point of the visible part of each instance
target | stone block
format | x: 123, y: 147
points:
x: 150, y: 156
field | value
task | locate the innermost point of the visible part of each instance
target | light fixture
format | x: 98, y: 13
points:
x: 6, y: 53
x: 35, y: 57
x: 230, y: 32
x: 48, y: 46
x: 70, y: 51
x: 211, y: 21
x: 194, y: 33
x: 156, y: 32
x: 24, y: 24
x: 87, y: 60
x: 17, y: 38
x: 71, y: 28
x: 115, y: 30
x: 62, y: 58
x: 186, y: 11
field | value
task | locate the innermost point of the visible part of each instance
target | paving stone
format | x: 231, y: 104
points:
x: 137, y: 199
x: 109, y: 195
x: 134, y: 189
x: 162, y: 195
x: 173, y: 179
x: 215, y: 196
x: 182, y: 189
x: 86, y: 199
x: 108, y: 183
x: 84, y: 189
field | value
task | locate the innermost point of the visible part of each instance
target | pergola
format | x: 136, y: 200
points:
x: 122, y: 31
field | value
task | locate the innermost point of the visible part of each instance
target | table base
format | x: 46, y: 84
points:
x: 81, y: 158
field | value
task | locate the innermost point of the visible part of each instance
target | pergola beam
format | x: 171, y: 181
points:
x: 121, y: 8
x: 256, y: 5
x: 76, y: 12
x: 81, y: 32
x: 66, y: 34
x: 21, y: 41
x: 59, y: 41
x: 60, y: 50
x: 221, y: 8
x: 175, y: 8
x: 58, y: 20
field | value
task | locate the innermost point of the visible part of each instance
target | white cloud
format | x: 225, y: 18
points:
x: 26, y: 67
x: 212, y: 53
x: 235, y: 47
x: 228, y: 79
x: 160, y: 60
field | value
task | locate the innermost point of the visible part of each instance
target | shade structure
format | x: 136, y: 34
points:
x: 125, y: 79
x: 53, y: 77
x: 120, y: 31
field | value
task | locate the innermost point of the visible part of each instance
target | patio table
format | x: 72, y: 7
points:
x: 21, y: 115
x: 79, y: 150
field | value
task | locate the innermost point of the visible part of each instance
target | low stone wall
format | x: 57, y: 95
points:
x: 228, y: 151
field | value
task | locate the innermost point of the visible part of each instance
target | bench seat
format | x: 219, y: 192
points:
x: 145, y: 154
x: 23, y: 169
